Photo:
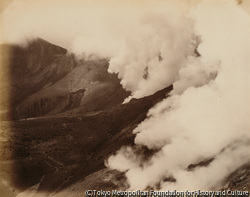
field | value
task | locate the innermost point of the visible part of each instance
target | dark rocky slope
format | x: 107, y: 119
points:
x: 41, y: 78
x: 67, y: 149
x: 24, y: 70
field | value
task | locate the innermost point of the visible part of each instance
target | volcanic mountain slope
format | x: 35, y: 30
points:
x: 55, y: 153
x: 26, y: 69
x: 43, y: 79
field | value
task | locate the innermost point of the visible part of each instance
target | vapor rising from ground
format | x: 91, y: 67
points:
x: 202, y: 47
x: 207, y: 115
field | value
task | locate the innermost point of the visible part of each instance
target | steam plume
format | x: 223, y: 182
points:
x: 207, y: 115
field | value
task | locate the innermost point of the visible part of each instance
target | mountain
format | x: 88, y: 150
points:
x: 44, y: 79
x: 54, y: 153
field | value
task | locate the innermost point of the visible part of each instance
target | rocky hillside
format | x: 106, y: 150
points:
x: 44, y: 79
x: 54, y: 153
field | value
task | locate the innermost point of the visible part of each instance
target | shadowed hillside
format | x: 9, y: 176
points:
x: 43, y: 79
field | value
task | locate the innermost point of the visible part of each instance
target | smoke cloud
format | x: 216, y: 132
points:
x: 207, y: 114
x: 152, y: 55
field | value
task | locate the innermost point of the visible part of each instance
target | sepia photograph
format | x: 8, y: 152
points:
x: 130, y: 98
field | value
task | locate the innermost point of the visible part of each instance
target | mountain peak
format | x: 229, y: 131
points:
x: 39, y: 42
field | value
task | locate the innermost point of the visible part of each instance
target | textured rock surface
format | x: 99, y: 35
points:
x: 41, y: 79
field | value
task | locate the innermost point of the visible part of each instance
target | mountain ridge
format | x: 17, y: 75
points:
x: 35, y: 71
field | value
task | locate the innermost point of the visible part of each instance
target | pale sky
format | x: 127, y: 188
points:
x: 63, y: 21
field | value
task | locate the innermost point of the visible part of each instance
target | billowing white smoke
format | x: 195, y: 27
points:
x: 152, y: 55
x: 208, y: 112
